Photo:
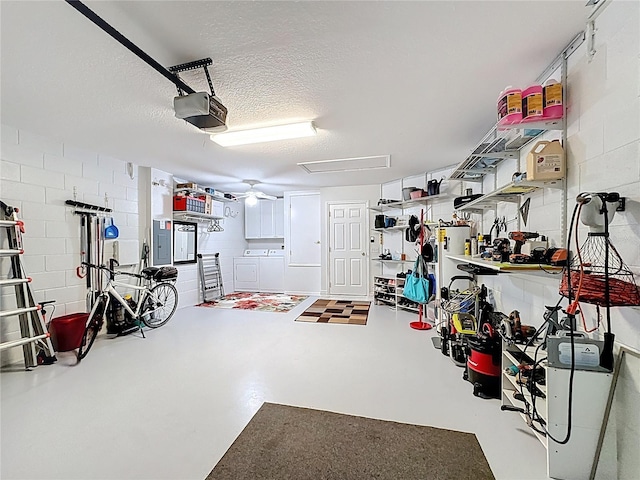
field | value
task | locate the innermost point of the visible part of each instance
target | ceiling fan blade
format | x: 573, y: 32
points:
x: 264, y: 196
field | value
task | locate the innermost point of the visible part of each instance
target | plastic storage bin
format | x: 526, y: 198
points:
x: 66, y: 331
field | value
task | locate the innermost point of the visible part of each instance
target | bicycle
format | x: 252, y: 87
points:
x: 158, y: 299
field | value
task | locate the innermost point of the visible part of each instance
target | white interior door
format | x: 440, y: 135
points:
x: 348, y: 249
x: 304, y: 221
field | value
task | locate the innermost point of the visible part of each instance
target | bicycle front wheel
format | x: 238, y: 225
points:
x: 94, y: 325
x: 161, y: 304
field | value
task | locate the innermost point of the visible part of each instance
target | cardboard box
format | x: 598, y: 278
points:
x: 189, y: 185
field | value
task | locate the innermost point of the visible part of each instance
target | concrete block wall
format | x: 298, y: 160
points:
x: 604, y: 136
x: 38, y: 175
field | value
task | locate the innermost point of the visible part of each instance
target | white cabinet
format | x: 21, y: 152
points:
x: 252, y: 221
x: 267, y: 220
x: 264, y: 220
x: 278, y: 216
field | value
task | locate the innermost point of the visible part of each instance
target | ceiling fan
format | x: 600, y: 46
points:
x: 252, y: 195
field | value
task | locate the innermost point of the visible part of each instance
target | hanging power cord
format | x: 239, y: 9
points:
x: 532, y: 414
x: 575, y: 305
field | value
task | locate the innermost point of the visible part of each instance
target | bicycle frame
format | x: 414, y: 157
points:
x: 110, y: 288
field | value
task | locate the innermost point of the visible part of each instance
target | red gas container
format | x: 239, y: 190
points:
x: 66, y: 331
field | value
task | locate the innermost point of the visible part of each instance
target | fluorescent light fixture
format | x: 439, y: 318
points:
x: 347, y: 164
x: 265, y: 134
x: 251, y: 200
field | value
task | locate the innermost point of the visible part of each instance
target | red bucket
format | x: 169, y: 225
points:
x: 66, y: 331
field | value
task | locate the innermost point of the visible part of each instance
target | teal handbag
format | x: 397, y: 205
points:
x: 416, y: 287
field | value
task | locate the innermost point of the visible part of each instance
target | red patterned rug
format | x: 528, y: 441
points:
x: 262, y: 302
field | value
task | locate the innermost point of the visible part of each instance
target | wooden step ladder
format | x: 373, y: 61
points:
x: 35, y: 341
x: 210, y: 277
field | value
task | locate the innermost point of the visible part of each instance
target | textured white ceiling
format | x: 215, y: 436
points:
x: 416, y: 80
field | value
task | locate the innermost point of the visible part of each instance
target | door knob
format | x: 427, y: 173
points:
x: 318, y: 242
x: 363, y: 254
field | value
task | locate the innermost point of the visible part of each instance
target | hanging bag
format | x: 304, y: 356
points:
x: 416, y: 287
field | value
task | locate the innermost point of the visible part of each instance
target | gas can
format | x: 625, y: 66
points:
x: 546, y: 161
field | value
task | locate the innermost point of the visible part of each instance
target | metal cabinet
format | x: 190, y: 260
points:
x: 162, y: 234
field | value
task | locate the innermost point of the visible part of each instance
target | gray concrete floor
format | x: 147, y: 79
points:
x: 169, y: 406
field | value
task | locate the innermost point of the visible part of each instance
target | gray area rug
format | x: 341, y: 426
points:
x: 290, y: 443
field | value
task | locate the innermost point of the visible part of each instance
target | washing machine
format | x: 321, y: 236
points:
x: 271, y: 272
x: 246, y: 270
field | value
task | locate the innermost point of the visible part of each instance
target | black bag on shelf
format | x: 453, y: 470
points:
x: 379, y: 222
x: 460, y: 201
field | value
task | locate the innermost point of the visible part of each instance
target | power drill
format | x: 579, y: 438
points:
x: 520, y: 237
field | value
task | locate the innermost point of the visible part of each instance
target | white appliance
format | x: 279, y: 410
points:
x: 259, y: 270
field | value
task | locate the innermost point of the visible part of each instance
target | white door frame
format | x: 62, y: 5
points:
x: 366, y: 239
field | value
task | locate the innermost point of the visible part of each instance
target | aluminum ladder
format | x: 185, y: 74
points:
x: 35, y: 341
x: 210, y: 277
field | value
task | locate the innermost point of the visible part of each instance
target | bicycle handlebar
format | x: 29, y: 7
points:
x: 113, y: 272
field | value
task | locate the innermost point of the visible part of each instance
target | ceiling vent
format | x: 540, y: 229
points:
x: 347, y: 164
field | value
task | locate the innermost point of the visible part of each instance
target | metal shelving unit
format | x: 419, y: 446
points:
x: 202, y: 192
x: 415, y: 202
x: 511, y: 192
x: 499, y: 144
x: 526, y: 268
x: 198, y: 217
x: 388, y: 291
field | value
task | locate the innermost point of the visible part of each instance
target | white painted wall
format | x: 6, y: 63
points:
x: 38, y: 175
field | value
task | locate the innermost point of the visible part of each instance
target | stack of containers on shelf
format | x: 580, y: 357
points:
x: 535, y: 103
